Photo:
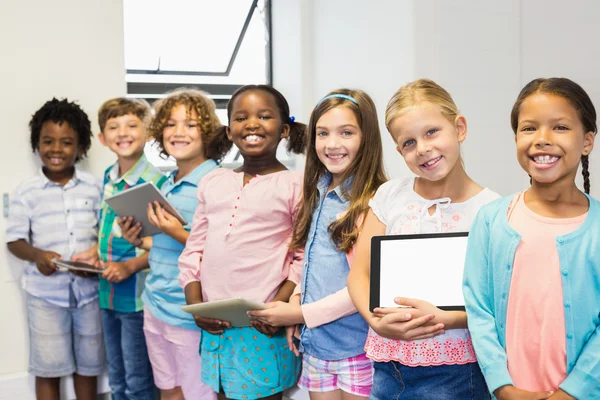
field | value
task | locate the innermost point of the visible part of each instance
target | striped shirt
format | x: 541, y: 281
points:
x: 124, y: 296
x: 63, y: 219
x: 163, y: 296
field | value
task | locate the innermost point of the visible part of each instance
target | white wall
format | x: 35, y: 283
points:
x: 483, y: 53
x: 62, y: 48
x: 549, y: 50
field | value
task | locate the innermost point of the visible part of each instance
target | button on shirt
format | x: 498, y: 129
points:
x: 124, y: 296
x: 326, y: 272
x: 162, y: 294
x: 62, y: 219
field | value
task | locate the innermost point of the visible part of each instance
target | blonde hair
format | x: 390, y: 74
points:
x: 418, y: 92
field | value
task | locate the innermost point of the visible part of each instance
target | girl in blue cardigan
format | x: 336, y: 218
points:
x: 532, y: 275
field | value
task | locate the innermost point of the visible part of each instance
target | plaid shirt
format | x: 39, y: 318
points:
x: 63, y: 219
x: 124, y: 296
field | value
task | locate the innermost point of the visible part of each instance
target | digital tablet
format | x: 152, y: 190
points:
x: 426, y: 267
x: 134, y: 203
x: 232, y: 310
x: 77, y: 266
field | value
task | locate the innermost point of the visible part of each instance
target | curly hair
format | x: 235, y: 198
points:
x: 215, y: 142
x: 60, y: 111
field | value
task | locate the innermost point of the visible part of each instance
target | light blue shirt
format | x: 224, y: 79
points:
x: 62, y: 219
x: 162, y: 294
x: 325, y: 272
x: 488, y: 271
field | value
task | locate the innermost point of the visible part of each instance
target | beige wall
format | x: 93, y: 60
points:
x: 62, y: 48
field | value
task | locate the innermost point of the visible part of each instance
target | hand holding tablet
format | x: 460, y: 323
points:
x: 427, y: 267
x: 134, y: 203
x: 78, y: 266
x: 234, y: 311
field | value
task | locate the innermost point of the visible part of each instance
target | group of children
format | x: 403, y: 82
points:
x: 300, y: 242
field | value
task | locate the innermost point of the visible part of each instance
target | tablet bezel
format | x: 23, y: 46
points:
x: 375, y: 270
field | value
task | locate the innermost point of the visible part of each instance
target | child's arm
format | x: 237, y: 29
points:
x: 191, y: 257
x: 285, y: 292
x: 41, y: 258
x: 193, y: 295
x: 585, y: 375
x: 190, y: 263
x: 477, y: 290
x: 393, y: 326
x: 119, y: 271
x: 18, y: 227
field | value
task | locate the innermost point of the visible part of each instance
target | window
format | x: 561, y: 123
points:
x: 215, y: 46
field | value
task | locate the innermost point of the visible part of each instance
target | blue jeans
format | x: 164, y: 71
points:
x: 393, y: 381
x: 129, y: 369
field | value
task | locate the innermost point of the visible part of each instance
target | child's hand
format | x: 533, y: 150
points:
x: 88, y: 256
x: 279, y: 313
x: 164, y: 221
x: 131, y: 230
x: 116, y: 272
x: 510, y: 392
x: 404, y: 324
x: 44, y: 263
x: 291, y: 334
x: 210, y: 325
x: 264, y: 328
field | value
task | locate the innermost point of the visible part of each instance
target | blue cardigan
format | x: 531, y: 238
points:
x: 488, y: 271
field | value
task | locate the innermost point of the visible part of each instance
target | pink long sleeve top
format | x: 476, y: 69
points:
x: 238, y: 245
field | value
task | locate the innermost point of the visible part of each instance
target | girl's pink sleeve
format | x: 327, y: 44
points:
x: 295, y: 271
x: 191, y: 257
x: 330, y: 308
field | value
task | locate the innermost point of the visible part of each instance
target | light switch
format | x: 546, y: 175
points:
x: 5, y: 202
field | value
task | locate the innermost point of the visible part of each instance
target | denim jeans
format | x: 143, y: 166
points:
x: 394, y: 381
x: 129, y: 370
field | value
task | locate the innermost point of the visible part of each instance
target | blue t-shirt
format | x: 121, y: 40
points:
x: 162, y: 294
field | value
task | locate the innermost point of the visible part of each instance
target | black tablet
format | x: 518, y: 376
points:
x: 426, y: 267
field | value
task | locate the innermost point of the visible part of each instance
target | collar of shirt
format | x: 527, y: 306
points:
x: 132, y: 176
x: 325, y: 181
x: 75, y: 179
x: 193, y: 177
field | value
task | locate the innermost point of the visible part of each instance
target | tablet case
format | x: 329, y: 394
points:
x: 133, y: 202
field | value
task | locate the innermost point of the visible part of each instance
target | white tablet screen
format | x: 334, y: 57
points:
x: 429, y: 269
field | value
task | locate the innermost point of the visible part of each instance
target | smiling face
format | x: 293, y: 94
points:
x: 255, y: 125
x: 58, y: 148
x: 428, y: 141
x: 550, y: 138
x: 337, y: 142
x: 181, y: 135
x: 125, y: 136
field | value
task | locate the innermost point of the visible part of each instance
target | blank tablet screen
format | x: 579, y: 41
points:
x: 425, y: 267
